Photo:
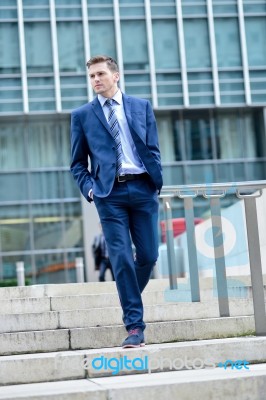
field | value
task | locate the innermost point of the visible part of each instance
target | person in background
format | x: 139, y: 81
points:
x: 101, y: 258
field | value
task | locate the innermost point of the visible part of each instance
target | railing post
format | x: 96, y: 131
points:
x: 217, y: 234
x: 20, y: 273
x: 255, y: 263
x: 79, y: 270
x: 192, y: 250
x: 170, y: 243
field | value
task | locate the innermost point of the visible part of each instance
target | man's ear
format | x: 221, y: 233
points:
x: 117, y: 76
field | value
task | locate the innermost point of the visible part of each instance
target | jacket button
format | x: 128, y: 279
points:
x: 113, y: 164
x: 113, y: 147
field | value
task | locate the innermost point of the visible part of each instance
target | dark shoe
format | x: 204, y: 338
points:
x: 135, y: 339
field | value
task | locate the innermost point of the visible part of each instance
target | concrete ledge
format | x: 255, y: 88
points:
x: 60, y: 303
x: 82, y: 318
x: 32, y: 368
x: 88, y: 301
x: 25, y: 305
x: 66, y: 390
x: 207, y: 384
x: 162, y: 332
x: 18, y: 292
x: 190, y: 385
x: 154, y: 313
x: 33, y: 342
x: 113, y: 335
x: 29, y: 322
x: 41, y: 367
x: 51, y: 290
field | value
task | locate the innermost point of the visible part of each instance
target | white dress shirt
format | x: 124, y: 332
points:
x: 131, y: 162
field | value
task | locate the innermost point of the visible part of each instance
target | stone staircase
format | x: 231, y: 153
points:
x: 63, y: 342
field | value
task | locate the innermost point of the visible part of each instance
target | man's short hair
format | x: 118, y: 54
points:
x: 111, y: 63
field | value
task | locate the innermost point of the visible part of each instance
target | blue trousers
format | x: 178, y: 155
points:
x: 130, y: 212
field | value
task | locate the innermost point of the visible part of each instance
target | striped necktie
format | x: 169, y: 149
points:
x: 114, y: 127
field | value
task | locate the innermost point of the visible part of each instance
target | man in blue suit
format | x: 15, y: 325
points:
x: 118, y: 134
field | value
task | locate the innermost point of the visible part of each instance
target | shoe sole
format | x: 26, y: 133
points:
x: 133, y: 346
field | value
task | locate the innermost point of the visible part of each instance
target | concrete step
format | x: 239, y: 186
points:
x: 25, y: 305
x: 51, y: 290
x: 96, y: 300
x: 34, y: 342
x: 81, y: 318
x: 81, y: 364
x: 215, y: 384
x: 81, y: 389
x: 113, y: 335
x: 74, y: 302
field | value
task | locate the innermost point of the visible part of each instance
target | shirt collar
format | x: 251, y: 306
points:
x: 117, y: 97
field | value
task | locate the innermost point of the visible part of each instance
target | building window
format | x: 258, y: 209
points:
x: 134, y: 45
x: 227, y: 42
x: 38, y: 47
x: 40, y: 209
x: 197, y: 43
x: 206, y: 146
x: 166, y: 50
x: 70, y: 47
x: 239, y: 134
x: 198, y: 62
x: 10, y: 87
x: 197, y: 136
x: 72, y: 64
x: 255, y: 33
x: 9, y: 48
x: 104, y: 32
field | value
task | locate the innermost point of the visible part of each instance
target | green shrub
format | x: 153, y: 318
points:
x: 13, y: 282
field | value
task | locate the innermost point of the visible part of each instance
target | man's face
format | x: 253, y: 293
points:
x: 103, y: 80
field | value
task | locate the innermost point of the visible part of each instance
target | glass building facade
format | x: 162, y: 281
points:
x: 201, y: 63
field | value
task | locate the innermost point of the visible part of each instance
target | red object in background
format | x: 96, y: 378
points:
x: 179, y: 226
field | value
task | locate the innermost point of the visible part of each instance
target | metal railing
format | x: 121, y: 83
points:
x: 246, y: 191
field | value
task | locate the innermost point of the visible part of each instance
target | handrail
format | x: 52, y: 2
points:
x: 248, y: 192
x: 224, y: 185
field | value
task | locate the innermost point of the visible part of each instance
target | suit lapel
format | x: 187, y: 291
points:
x: 127, y: 101
x: 97, y: 108
x: 127, y: 108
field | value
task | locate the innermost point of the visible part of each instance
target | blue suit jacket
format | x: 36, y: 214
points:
x: 91, y: 136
